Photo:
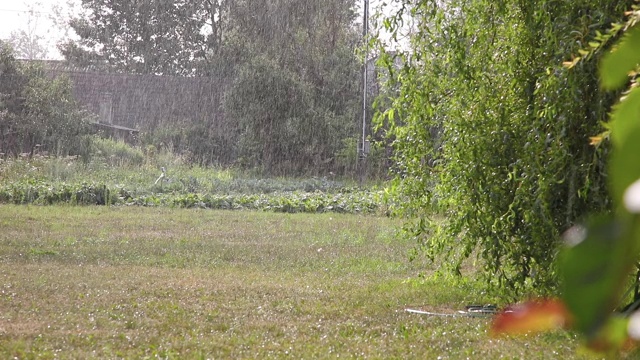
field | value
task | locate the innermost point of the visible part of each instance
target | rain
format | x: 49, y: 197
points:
x: 273, y: 86
x: 319, y: 178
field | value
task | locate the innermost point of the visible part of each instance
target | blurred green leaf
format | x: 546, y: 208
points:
x: 593, y: 272
x: 613, y: 335
x: 625, y: 117
x: 625, y: 58
x: 624, y: 166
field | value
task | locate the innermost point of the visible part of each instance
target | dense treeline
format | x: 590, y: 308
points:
x: 38, y: 113
x: 491, y: 128
x: 291, y: 74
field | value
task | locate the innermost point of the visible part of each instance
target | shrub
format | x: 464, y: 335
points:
x: 488, y: 122
x: 38, y: 113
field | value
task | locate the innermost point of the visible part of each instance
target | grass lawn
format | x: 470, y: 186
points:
x: 132, y: 282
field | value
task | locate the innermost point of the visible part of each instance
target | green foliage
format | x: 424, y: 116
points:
x: 595, y: 269
x: 611, y: 249
x: 38, y: 113
x: 490, y: 127
x: 598, y: 257
x: 146, y: 37
x: 290, y: 75
x: 47, y: 194
x: 347, y: 156
x: 273, y: 106
x: 616, y: 67
x: 115, y: 176
x: 116, y: 153
x: 43, y: 193
x: 594, y: 272
x: 294, y: 104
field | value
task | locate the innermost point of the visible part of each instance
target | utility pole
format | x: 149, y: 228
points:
x: 363, y: 149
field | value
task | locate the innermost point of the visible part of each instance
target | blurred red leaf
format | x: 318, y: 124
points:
x: 532, y: 316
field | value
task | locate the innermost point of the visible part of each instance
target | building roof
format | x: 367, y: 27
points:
x: 117, y: 127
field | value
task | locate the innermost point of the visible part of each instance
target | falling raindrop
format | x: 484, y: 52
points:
x: 275, y: 85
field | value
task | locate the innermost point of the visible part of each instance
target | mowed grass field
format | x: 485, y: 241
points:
x: 133, y: 282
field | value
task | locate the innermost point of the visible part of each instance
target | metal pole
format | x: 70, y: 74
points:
x: 362, y: 154
x: 365, y: 34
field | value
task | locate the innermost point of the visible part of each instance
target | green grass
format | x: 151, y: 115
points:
x: 130, y: 282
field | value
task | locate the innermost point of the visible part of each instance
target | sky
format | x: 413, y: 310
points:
x: 34, y: 15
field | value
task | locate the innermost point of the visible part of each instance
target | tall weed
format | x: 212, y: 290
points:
x: 116, y: 153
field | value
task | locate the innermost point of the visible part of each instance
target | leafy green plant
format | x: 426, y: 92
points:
x: 37, y: 113
x: 488, y: 128
x: 596, y: 263
x: 39, y: 192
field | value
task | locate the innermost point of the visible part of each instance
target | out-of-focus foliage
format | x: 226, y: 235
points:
x: 38, y: 113
x: 488, y: 126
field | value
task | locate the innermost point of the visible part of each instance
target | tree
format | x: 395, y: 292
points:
x: 26, y: 42
x: 274, y: 108
x: 599, y: 255
x: 296, y: 86
x: 307, y: 48
x: 488, y: 125
x: 28, y: 45
x: 11, y: 83
x: 144, y: 37
x: 36, y: 111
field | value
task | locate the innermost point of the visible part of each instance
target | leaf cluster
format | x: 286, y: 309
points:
x: 599, y: 256
x: 43, y: 193
x: 38, y: 113
x: 490, y: 129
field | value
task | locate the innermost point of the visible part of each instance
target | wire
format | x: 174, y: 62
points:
x: 26, y: 11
